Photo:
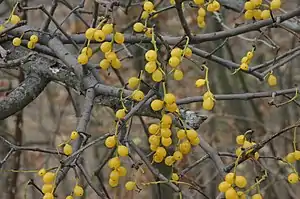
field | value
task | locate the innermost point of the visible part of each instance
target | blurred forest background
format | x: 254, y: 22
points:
x: 50, y: 118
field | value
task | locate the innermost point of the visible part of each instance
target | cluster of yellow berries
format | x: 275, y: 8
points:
x: 212, y: 6
x: 151, y: 66
x: 13, y: 19
x: 115, y: 162
x: 31, y: 43
x: 148, y: 9
x: 176, y: 58
x: 243, y: 144
x: 169, y: 103
x: 134, y: 83
x: 67, y: 147
x: 253, y: 10
x: 292, y: 157
x: 48, y: 180
x: 245, y: 61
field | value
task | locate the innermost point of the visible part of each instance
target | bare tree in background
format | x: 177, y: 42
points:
x: 155, y: 99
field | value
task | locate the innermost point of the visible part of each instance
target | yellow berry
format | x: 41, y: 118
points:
x: 108, y: 29
x: 122, y: 171
x: 240, y: 139
x: 17, y: 41
x: 114, y: 175
x: 48, y: 196
x: 106, y: 47
x: 137, y: 95
x: 148, y: 6
x: 78, y: 190
x: 166, y: 119
x: 224, y: 186
x: 257, y: 14
x: 122, y: 150
x: 265, y: 14
x: 174, y: 61
x: 111, y: 141
x: 89, y: 33
x: 74, y: 135
x: 201, y: 12
x: 176, y: 52
x: 169, y: 160
x: 99, y: 35
x: 290, y: 158
x: 200, y: 20
x: 231, y: 193
x: 34, y: 38
x: 297, y: 155
x: 249, y: 14
x: 48, y: 177
x: 113, y: 183
x: 144, y: 15
x: 68, y: 149
x: 14, y: 19
x: 104, y: 64
x: 151, y: 55
x: 175, y: 176
x: 69, y: 197
x: 169, y: 98
x: 188, y: 52
x: 244, y: 67
x: 229, y: 178
x: 244, y: 59
x: 88, y: 51
x: 199, y: 2
x: 181, y: 134
x: 177, y: 155
x: 240, y: 181
x: 208, y: 104
x: 116, y: 63
x: 171, y: 107
x: 157, y: 76
x: 42, y: 172
x: 120, y: 114
x: 148, y: 32
x: 119, y: 38
x: 210, y: 7
x: 110, y: 56
x: 82, y: 59
x: 178, y: 75
x: 130, y: 185
x: 157, y: 105
x: 241, y: 195
x: 31, y: 45
x: 114, y: 163
x: 165, y: 132
x: 191, y: 134
x: 272, y: 80
x: 133, y: 82
x: 293, y: 178
x: 185, y: 147
x: 166, y: 141
x: 195, y: 141
x: 216, y: 5
x: 256, y: 2
x: 157, y: 158
x: 150, y: 67
x: 153, y: 147
x: 161, y: 152
x: 154, y: 140
x: 153, y: 129
x: 249, y: 5
x: 275, y: 4
x: 138, y: 27
x: 47, y: 188
x: 200, y: 83
x: 257, y: 196
x: 238, y: 151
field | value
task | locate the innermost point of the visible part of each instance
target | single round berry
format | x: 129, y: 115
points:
x: 42, y: 172
x: 153, y: 129
x: 293, y: 178
x: 157, y: 158
x: 104, y: 64
x: 120, y: 114
x: 166, y: 119
x: 176, y: 52
x: 174, y: 61
x: 157, y: 76
x: 116, y: 63
x: 166, y: 141
x: 265, y: 14
x: 47, y: 188
x: 169, y: 98
x: 34, y: 38
x: 153, y: 147
x: 175, y: 176
x: 157, y: 105
x: 137, y: 95
x: 88, y: 51
x: 48, y: 196
x: 151, y: 55
x: 172, y: 107
x: 199, y: 2
x: 133, y: 82
x: 78, y: 190
x: 154, y: 140
x: 99, y: 35
x: 150, y: 67
x: 178, y: 74
x: 177, y: 155
x: 17, y: 41
x: 31, y: 45
x: 89, y: 33
x: 224, y: 186
x: 244, y: 67
x: 297, y: 155
x: 290, y: 158
x: 113, y: 183
x: 240, y: 181
x: 257, y: 14
x: 231, y: 193
x: 249, y: 14
x: 229, y: 178
x: 111, y: 56
x: 249, y: 5
x: 191, y: 134
x: 138, y: 27
x: 119, y: 38
x: 201, y: 12
x: 74, y: 135
x: 208, y: 104
x: 122, y: 150
x: 181, y: 134
x: 144, y: 15
x: 200, y: 82
x: 240, y: 139
x: 275, y: 4
x: 108, y: 29
x: 161, y: 152
x: 111, y: 141
x: 122, y: 171
x: 185, y: 147
x: 169, y: 160
x: 188, y: 52
x: 106, y: 47
x: 82, y: 59
x: 48, y: 177
x: 14, y: 19
x: 148, y: 6
x: 216, y: 5
x: 130, y: 185
x: 272, y: 80
x: 114, y: 163
x: 68, y: 149
x: 165, y: 132
x: 114, y: 175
